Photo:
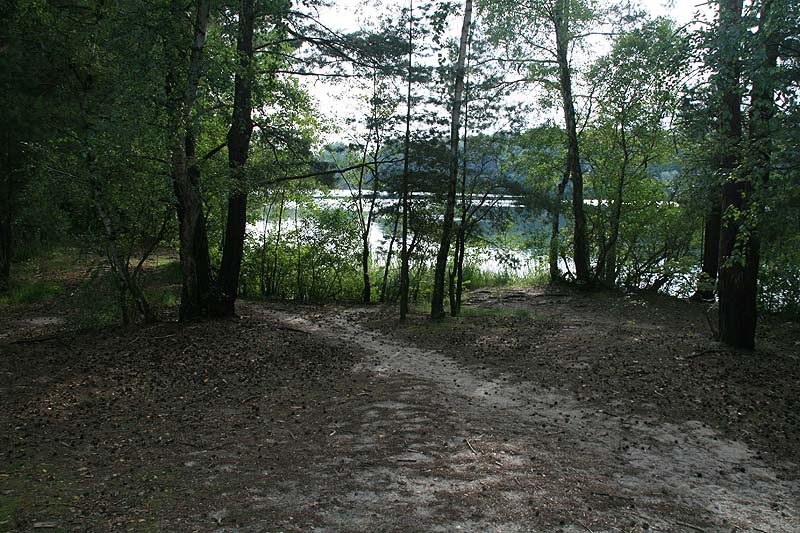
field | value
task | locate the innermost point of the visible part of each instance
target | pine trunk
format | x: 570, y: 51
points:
x: 404, y: 248
x: 437, y: 298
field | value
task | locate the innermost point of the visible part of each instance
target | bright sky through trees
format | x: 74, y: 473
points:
x: 339, y: 100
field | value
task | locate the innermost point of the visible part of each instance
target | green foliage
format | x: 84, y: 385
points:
x: 30, y: 293
x: 476, y: 277
x: 315, y: 260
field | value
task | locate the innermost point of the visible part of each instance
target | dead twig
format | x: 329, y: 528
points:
x: 470, y: 446
x: 585, y: 527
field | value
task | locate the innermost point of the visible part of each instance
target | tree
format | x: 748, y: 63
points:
x: 405, y: 194
x: 238, y: 143
x: 198, y: 297
x: 739, y: 241
x: 437, y: 299
x: 637, y: 90
x: 542, y: 35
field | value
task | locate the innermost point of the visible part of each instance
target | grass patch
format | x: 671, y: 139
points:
x: 8, y: 507
x: 31, y: 293
x: 164, y: 272
x: 476, y: 278
x: 165, y: 297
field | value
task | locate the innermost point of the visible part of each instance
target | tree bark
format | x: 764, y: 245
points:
x: 739, y: 242
x: 437, y: 298
x: 198, y: 298
x: 581, y: 258
x: 239, y: 136
x: 732, y: 285
x: 404, y: 252
x: 457, y: 276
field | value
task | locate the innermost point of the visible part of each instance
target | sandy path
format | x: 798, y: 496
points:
x: 505, y: 457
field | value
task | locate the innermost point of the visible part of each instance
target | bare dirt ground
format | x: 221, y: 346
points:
x: 539, y: 411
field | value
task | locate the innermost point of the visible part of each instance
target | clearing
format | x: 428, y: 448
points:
x: 540, y: 409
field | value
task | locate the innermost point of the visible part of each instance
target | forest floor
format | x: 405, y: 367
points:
x: 539, y: 409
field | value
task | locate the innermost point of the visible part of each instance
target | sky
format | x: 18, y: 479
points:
x: 336, y: 101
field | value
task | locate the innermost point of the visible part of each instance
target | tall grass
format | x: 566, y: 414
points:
x: 477, y: 278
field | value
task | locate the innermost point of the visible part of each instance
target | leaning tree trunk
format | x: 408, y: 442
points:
x: 119, y: 265
x: 437, y: 298
x: 238, y: 151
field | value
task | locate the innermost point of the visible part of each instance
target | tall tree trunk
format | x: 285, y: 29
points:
x: 458, y: 265
x: 555, y: 220
x: 437, y: 298
x: 238, y: 151
x: 457, y: 287
x: 404, y: 278
x: 732, y: 286
x: 366, y: 293
x: 739, y: 242
x: 581, y: 257
x: 198, y: 299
